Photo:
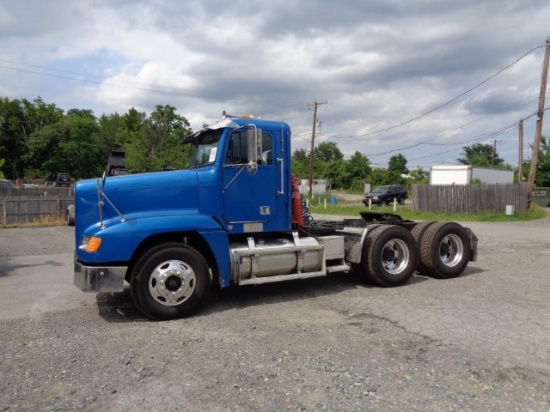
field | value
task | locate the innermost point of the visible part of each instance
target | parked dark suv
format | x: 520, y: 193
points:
x: 60, y: 180
x: 384, y: 195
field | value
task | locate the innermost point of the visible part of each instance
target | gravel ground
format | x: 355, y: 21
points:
x: 476, y: 343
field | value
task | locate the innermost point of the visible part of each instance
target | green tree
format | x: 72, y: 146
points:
x: 328, y: 152
x: 157, y: 142
x: 68, y: 146
x: 542, y: 175
x: 328, y: 163
x: 480, y: 155
x: 379, y: 177
x: 398, y: 164
x: 19, y: 119
x: 300, y: 163
x: 419, y: 176
x: 355, y: 172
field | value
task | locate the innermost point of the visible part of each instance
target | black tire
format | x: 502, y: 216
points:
x: 382, y: 202
x: 389, y: 255
x: 418, y: 233
x: 401, y: 200
x: 69, y: 219
x: 358, y: 268
x: 445, y: 250
x: 170, y: 281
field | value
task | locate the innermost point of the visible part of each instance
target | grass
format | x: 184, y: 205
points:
x: 43, y: 221
x: 347, y: 209
x: 344, y: 208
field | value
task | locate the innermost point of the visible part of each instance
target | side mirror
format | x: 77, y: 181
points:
x: 254, y: 140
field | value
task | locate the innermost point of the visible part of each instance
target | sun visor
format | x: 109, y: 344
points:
x: 227, y: 122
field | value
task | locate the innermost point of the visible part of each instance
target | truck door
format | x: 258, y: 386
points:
x: 248, y: 194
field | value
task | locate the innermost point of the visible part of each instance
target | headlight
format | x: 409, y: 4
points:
x: 90, y: 244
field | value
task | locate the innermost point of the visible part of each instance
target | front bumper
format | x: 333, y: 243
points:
x: 99, y: 279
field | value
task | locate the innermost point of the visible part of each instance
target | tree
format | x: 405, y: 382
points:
x: 19, y: 119
x: 68, y: 146
x: 379, y: 177
x: 328, y: 163
x: 300, y: 163
x: 480, y: 155
x: 158, y: 143
x: 419, y: 176
x: 542, y: 177
x: 328, y: 152
x: 398, y: 165
x: 355, y: 172
x: 542, y: 174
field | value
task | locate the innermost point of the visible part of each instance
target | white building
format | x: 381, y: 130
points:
x: 464, y: 174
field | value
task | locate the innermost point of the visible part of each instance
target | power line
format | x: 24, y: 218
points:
x: 150, y: 88
x: 484, y: 136
x: 448, y: 102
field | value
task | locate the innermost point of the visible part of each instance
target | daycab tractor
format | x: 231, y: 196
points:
x: 235, y: 217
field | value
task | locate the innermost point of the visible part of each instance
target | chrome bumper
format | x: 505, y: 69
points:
x: 99, y: 279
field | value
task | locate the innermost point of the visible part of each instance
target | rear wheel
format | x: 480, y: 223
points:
x: 170, y: 281
x: 418, y: 232
x: 389, y: 255
x: 401, y: 200
x: 445, y: 250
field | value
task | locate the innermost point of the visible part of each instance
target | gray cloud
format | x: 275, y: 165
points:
x: 377, y: 63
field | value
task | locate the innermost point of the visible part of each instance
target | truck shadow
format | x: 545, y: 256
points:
x: 119, y: 307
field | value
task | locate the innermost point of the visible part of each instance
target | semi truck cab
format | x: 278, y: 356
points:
x: 234, y: 217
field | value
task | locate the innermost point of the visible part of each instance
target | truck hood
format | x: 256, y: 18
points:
x: 130, y: 197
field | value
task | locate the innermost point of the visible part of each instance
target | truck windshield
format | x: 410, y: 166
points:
x: 204, y: 148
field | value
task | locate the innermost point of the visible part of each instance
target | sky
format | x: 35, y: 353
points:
x: 422, y: 78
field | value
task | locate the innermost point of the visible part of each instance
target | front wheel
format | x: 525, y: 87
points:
x: 170, y: 281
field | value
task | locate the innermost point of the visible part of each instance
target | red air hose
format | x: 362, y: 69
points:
x: 297, y: 211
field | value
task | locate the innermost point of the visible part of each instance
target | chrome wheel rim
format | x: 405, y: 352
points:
x: 172, y: 282
x: 451, y: 250
x: 395, y: 256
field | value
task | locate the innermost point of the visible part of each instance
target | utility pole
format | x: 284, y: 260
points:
x: 520, y: 160
x: 538, y: 131
x: 315, y: 105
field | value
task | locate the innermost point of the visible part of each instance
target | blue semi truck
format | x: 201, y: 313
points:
x: 235, y: 217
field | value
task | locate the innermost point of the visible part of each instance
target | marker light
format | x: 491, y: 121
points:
x: 90, y: 244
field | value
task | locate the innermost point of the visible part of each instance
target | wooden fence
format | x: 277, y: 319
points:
x: 473, y: 198
x: 36, y: 204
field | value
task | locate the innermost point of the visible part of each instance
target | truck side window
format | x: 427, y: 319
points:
x: 267, y: 149
x: 237, y: 153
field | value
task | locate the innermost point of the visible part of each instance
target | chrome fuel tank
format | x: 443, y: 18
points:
x: 275, y: 257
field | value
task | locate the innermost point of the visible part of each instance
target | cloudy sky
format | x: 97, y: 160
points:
x: 418, y: 77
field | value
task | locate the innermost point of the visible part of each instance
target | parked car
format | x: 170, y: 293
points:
x: 69, y: 214
x: 6, y: 184
x: 384, y: 195
x: 60, y: 180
